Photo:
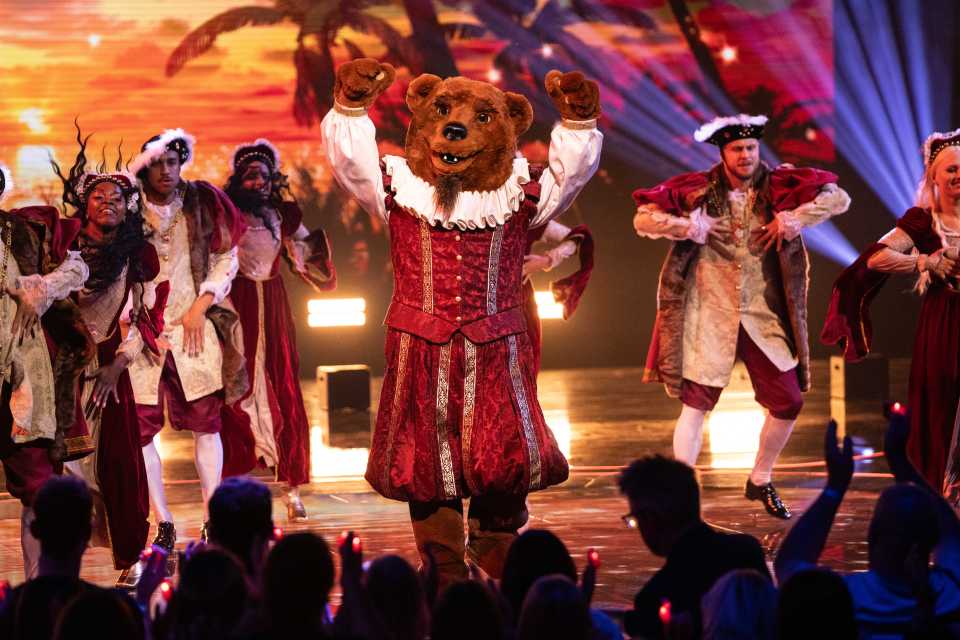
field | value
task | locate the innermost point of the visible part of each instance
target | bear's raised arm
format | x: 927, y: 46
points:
x: 349, y: 136
x: 575, y: 143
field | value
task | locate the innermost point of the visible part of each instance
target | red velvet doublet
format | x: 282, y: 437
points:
x: 458, y: 412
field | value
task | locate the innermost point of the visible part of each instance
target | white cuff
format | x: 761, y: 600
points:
x: 790, y: 225
x: 700, y: 226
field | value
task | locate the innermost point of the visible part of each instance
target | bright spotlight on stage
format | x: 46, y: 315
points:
x: 734, y: 431
x: 728, y: 54
x: 547, y: 307
x: 336, y: 312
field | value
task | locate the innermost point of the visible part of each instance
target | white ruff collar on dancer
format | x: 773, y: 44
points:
x: 937, y: 142
x: 156, y: 148
x: 720, y: 131
x: 472, y: 210
x: 6, y: 182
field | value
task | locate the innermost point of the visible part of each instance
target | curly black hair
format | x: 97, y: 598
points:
x: 106, y: 260
x: 251, y: 203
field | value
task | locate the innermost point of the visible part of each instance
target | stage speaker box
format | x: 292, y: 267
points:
x: 868, y: 379
x: 343, y: 393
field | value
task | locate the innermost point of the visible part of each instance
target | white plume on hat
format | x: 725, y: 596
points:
x: 706, y: 131
x: 7, y: 182
x: 158, y: 147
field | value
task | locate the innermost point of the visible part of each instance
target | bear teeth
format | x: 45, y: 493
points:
x: 449, y: 158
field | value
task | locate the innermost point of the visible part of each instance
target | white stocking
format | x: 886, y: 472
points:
x: 208, y: 456
x: 158, y: 497
x: 688, y: 435
x: 29, y: 544
x: 773, y: 438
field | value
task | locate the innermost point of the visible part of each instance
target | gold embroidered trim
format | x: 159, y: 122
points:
x: 395, y: 407
x: 528, y: 433
x: 355, y: 112
x: 469, y: 400
x: 443, y: 439
x: 426, y: 266
x: 493, y: 270
x: 580, y: 124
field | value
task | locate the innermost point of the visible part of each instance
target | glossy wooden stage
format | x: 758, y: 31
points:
x: 605, y: 418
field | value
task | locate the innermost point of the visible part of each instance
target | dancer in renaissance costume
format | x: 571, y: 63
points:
x: 194, y: 228
x: 458, y: 415
x: 269, y: 423
x: 734, y: 285
x: 121, y: 261
x: 566, y: 291
x: 924, y: 242
x: 37, y: 395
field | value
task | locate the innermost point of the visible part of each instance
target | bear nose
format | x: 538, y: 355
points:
x: 454, y: 131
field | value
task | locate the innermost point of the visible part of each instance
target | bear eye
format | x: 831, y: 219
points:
x: 483, y: 118
x: 442, y: 109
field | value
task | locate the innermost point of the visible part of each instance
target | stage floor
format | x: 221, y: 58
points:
x: 604, y: 418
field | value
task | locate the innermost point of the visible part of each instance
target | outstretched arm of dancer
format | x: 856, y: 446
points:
x: 803, y: 545
x: 652, y: 222
x: 35, y: 293
x: 900, y: 256
x: 556, y: 234
x: 830, y: 202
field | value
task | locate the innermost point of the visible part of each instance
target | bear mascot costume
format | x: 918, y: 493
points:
x: 458, y: 415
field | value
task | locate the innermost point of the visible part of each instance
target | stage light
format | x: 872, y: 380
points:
x: 728, y: 54
x: 734, y: 430
x: 546, y: 51
x: 559, y: 422
x: 94, y: 40
x: 547, y: 307
x: 334, y: 462
x: 336, y: 312
x: 494, y: 75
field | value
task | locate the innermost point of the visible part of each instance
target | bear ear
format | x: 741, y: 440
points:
x: 420, y: 89
x: 520, y: 111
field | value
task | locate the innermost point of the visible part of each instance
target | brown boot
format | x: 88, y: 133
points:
x: 488, y: 549
x: 442, y: 532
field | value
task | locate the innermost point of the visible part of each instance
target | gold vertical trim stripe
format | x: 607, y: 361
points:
x: 443, y: 440
x: 493, y: 270
x: 426, y: 266
x: 395, y: 407
x: 528, y: 433
x: 469, y: 400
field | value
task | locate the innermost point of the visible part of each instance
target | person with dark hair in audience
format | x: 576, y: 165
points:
x: 742, y: 605
x: 297, y: 578
x: 467, y: 600
x: 554, y: 609
x: 209, y: 599
x: 111, y: 614
x: 664, y: 499
x: 534, y: 554
x: 815, y: 603
x: 62, y: 523
x: 901, y: 594
x: 396, y: 598
x: 241, y: 520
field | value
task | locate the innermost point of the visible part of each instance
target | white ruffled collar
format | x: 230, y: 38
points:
x: 473, y: 209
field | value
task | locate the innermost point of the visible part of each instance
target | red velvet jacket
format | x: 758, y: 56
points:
x: 450, y: 280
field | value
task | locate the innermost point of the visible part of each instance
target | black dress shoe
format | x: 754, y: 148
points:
x: 166, y: 536
x: 768, y: 495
